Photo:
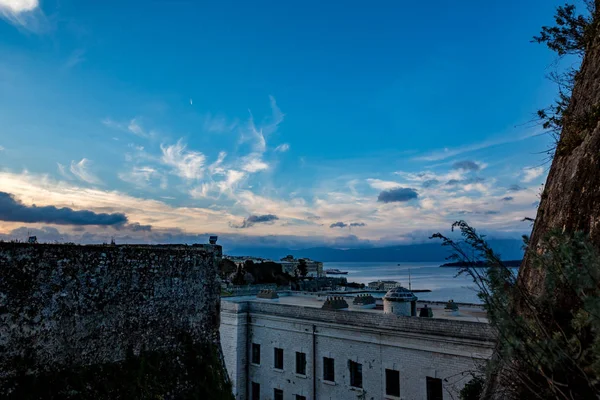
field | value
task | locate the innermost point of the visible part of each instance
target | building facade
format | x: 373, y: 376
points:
x: 299, y: 351
x: 383, y: 285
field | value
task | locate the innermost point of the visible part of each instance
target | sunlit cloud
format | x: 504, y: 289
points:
x: 186, y: 164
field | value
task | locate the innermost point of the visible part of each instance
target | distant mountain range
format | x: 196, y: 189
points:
x: 509, y: 249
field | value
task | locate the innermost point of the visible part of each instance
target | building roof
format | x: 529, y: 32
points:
x: 473, y: 313
x: 400, y: 293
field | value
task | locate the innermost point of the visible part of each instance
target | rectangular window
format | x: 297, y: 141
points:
x: 299, y: 397
x: 392, y: 383
x: 278, y: 358
x: 255, y: 391
x: 434, y: 389
x: 277, y: 394
x: 301, y: 363
x: 355, y: 374
x: 328, y: 369
x: 255, y: 353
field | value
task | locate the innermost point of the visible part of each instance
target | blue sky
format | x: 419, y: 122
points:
x: 273, y: 121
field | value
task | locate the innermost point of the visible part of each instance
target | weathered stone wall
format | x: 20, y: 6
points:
x: 66, y: 310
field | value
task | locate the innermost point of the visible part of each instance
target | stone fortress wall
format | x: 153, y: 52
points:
x: 66, y: 310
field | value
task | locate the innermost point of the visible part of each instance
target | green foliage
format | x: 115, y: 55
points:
x: 261, y: 273
x: 472, y: 389
x: 551, y: 349
x: 571, y: 35
x: 193, y: 371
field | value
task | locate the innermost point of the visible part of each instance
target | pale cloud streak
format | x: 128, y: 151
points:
x: 81, y: 170
x: 141, y: 177
x: 76, y: 57
x: 132, y: 126
x: 282, y: 148
x: 442, y: 154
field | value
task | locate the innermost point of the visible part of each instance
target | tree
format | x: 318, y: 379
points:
x: 227, y: 267
x: 302, y: 268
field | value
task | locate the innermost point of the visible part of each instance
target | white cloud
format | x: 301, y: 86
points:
x: 23, y: 13
x: 1, y: 148
x: 19, y: 6
x: 215, y: 168
x: 80, y: 170
x: 282, y: 148
x: 233, y: 177
x: 186, y: 164
x: 531, y: 173
x: 382, y: 185
x: 254, y: 163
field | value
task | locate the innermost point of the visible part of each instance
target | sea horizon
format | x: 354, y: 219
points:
x: 445, y: 283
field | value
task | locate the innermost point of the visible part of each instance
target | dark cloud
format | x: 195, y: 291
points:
x: 256, y: 219
x: 341, y: 224
x: 467, y: 165
x: 508, y: 198
x: 353, y: 224
x: 430, y: 183
x: 474, y: 179
x: 136, y: 227
x: 488, y: 212
x: 15, y: 211
x: 338, y: 224
x: 397, y: 195
x: 515, y: 188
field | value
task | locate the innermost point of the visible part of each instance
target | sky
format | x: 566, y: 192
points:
x: 270, y: 123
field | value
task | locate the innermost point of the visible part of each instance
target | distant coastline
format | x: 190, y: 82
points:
x: 481, y: 264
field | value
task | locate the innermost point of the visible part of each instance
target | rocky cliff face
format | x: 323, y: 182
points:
x: 571, y: 198
x: 110, y: 322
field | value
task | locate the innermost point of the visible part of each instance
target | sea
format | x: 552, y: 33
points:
x: 443, y: 282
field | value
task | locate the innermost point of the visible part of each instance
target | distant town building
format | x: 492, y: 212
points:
x: 290, y: 265
x: 383, y: 285
x: 243, y: 259
x: 292, y: 348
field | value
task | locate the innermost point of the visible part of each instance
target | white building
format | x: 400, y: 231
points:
x: 383, y: 285
x: 292, y: 349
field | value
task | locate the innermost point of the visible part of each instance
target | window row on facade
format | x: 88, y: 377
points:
x: 355, y: 370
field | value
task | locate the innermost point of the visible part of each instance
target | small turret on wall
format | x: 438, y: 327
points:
x: 400, y: 301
